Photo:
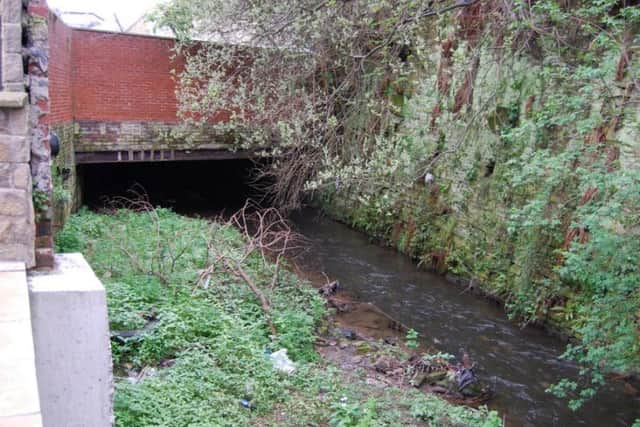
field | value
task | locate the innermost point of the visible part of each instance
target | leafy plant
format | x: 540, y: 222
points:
x: 412, y: 339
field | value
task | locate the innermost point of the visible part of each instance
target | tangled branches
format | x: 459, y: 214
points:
x: 264, y: 232
x: 308, y: 82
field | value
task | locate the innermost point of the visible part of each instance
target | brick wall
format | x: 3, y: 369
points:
x: 119, y: 77
x: 110, y: 77
x: 60, y: 71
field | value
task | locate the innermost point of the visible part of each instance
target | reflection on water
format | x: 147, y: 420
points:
x: 521, y: 363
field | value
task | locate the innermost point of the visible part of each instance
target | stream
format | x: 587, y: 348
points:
x: 519, y: 363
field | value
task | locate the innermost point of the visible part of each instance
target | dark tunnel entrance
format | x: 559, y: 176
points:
x: 191, y: 187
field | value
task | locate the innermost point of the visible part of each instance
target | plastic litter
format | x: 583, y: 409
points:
x: 246, y: 404
x: 281, y: 361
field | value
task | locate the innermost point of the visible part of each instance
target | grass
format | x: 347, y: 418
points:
x: 208, y: 347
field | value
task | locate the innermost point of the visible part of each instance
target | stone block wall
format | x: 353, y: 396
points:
x: 36, y: 52
x: 17, y: 227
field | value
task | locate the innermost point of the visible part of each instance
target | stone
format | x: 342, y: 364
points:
x: 13, y: 202
x: 17, y: 87
x: 13, y: 99
x: 6, y: 171
x: 12, y: 68
x: 5, y: 230
x: 14, y: 149
x: 12, y: 38
x: 18, y: 122
x: 39, y: 88
x: 17, y: 252
x: 22, y: 176
x: 11, y: 11
x: 22, y: 230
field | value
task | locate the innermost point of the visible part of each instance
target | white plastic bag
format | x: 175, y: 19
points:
x: 281, y: 362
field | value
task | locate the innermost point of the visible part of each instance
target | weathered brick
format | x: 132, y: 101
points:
x: 44, y: 242
x: 43, y: 228
x: 22, y: 176
x: 14, y: 202
x: 44, y: 258
x: 12, y: 38
x: 14, y: 149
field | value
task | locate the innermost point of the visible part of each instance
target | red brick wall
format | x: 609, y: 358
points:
x: 60, y: 66
x: 112, y: 78
x: 109, y: 77
x: 118, y: 77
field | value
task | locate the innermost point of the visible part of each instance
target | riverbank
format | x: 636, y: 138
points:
x: 194, y: 349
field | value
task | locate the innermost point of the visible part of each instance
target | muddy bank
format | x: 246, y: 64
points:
x: 359, y: 336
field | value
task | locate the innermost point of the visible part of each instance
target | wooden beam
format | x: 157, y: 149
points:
x: 146, y: 156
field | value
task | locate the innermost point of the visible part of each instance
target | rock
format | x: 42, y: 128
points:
x: 329, y: 289
x: 387, y: 365
x: 391, y: 340
x: 348, y: 334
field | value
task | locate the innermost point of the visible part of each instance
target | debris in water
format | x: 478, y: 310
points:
x: 329, y: 289
x: 349, y: 334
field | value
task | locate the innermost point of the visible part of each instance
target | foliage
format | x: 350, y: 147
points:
x: 412, y: 338
x: 201, y: 350
x: 41, y: 201
x: 531, y: 188
x: 312, y: 84
x: 502, y: 126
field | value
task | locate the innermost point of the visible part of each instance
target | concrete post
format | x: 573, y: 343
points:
x: 72, y: 346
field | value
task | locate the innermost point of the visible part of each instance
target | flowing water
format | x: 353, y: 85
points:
x: 520, y: 363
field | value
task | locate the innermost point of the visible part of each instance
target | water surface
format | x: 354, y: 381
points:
x: 520, y: 363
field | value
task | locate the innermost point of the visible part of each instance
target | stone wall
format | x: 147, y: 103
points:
x: 17, y: 228
x: 37, y: 59
x: 473, y: 120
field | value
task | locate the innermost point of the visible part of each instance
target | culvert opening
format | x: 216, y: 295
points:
x: 190, y: 187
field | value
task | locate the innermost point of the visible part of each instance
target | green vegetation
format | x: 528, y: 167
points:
x: 494, y: 139
x: 200, y: 355
x: 531, y: 188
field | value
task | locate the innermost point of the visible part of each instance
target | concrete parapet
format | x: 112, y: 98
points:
x: 19, y: 402
x: 71, y: 336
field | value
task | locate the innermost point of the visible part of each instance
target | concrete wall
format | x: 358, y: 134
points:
x: 19, y: 401
x: 72, y: 347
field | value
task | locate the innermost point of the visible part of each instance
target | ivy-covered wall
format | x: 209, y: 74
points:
x: 66, y: 180
x: 516, y: 165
